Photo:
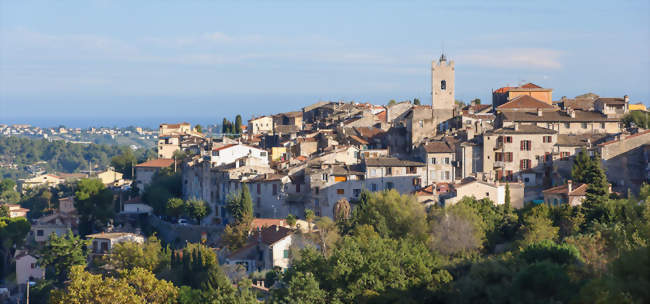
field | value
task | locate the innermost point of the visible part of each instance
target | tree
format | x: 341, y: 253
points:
x: 8, y: 193
x: 124, y: 162
x: 61, y: 253
x: 547, y: 250
x: 238, y: 124
x: 597, y: 191
x: 476, y: 101
x: 537, y: 226
x: 240, y: 205
x: 342, y: 210
x: 302, y: 289
x: 309, y: 217
x: 581, y: 165
x: 198, y: 128
x: 4, y: 210
x: 133, y: 286
x: 175, y: 207
x: 416, y: 101
x: 327, y: 234
x: 392, y: 215
x: 392, y: 102
x: 164, y: 185
x: 639, y: 118
x: 12, y: 234
x: 197, y: 209
x: 291, y: 220
x: 94, y: 203
x: 456, y: 230
x: 150, y: 255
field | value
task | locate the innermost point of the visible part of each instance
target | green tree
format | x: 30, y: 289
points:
x: 476, y: 101
x: 392, y: 215
x: 416, y: 101
x: 61, y: 253
x: 639, y: 118
x: 8, y: 193
x: 238, y: 124
x: 240, y: 205
x: 124, y: 162
x: 4, y: 210
x: 326, y: 234
x: 94, y: 203
x: 537, y: 226
x: 597, y: 192
x: 547, y: 250
x: 301, y: 289
x: 392, y: 102
x: 150, y: 255
x: 542, y: 282
x: 164, y: 185
x: 148, y: 287
x: 197, y: 209
x: 291, y: 220
x: 198, y: 128
x: 12, y: 235
x: 581, y: 165
x: 175, y: 207
x: 309, y: 217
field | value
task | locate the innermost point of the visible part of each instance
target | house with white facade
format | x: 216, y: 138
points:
x: 229, y: 153
x: 27, y: 268
x: 268, y: 248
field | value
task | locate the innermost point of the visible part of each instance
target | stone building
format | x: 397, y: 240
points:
x: 520, y: 152
x: 567, y: 194
x: 443, y: 90
x: 440, y: 158
x: 505, y: 94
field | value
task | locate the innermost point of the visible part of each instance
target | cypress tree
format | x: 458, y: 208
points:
x: 507, y: 199
x: 238, y: 122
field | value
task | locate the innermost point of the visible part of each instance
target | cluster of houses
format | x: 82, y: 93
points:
x: 72, y: 133
x: 523, y: 143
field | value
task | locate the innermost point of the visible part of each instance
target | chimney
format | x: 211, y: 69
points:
x: 626, y: 98
x: 572, y: 113
x: 516, y: 126
x: 569, y: 184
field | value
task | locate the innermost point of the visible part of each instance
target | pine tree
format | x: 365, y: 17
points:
x: 597, y: 191
x: 581, y: 165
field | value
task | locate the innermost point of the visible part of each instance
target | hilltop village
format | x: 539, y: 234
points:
x: 364, y: 186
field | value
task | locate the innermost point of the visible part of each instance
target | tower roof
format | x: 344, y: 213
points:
x: 443, y: 57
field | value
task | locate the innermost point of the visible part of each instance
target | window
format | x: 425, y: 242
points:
x: 340, y: 191
x: 39, y: 232
x: 446, y: 160
x: 524, y: 164
x: 275, y: 189
x: 498, y: 156
x: 32, y: 265
x: 525, y: 145
x: 447, y: 175
x: 324, y: 176
x: 547, y: 139
x: 443, y: 85
x: 374, y: 187
x: 509, y: 175
x: 389, y: 171
x: 433, y: 175
x: 602, y: 125
x: 389, y: 185
x: 508, y: 139
x: 548, y: 157
x: 263, y: 154
x: 584, y: 125
x: 433, y: 160
x: 373, y: 172
x: 285, y: 254
x: 412, y: 170
x: 564, y: 155
x: 259, y: 188
x: 421, y: 123
x: 316, y: 190
x: 340, y: 178
x: 567, y: 125
x: 356, y: 192
x: 507, y: 157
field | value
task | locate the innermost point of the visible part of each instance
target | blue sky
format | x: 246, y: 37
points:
x: 143, y: 62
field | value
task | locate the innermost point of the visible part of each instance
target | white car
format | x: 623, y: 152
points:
x: 183, y: 222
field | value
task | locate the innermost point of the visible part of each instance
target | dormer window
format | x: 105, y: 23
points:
x: 443, y: 85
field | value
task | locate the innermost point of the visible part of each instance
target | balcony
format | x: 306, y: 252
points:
x: 498, y: 146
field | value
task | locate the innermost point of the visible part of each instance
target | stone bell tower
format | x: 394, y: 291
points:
x: 442, y: 89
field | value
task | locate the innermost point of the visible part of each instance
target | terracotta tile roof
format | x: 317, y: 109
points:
x: 525, y: 102
x: 611, y: 100
x: 156, y: 163
x: 503, y: 90
x: 477, y: 107
x: 625, y: 138
x: 359, y: 140
x: 530, y: 85
x: 523, y: 129
x: 557, y: 116
x: 426, y: 191
x: 381, y: 116
x: 274, y: 233
x: 223, y: 147
x: 391, y: 162
x: 577, y: 189
x: 438, y: 147
x: 260, y: 223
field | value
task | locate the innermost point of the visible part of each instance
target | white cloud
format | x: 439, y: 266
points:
x: 526, y: 58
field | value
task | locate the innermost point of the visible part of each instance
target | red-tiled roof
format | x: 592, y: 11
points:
x: 223, y: 147
x: 503, y: 90
x: 260, y: 223
x: 525, y: 102
x: 381, y: 116
x: 426, y: 191
x: 274, y: 233
x: 577, y: 189
x: 530, y: 85
x: 157, y: 163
